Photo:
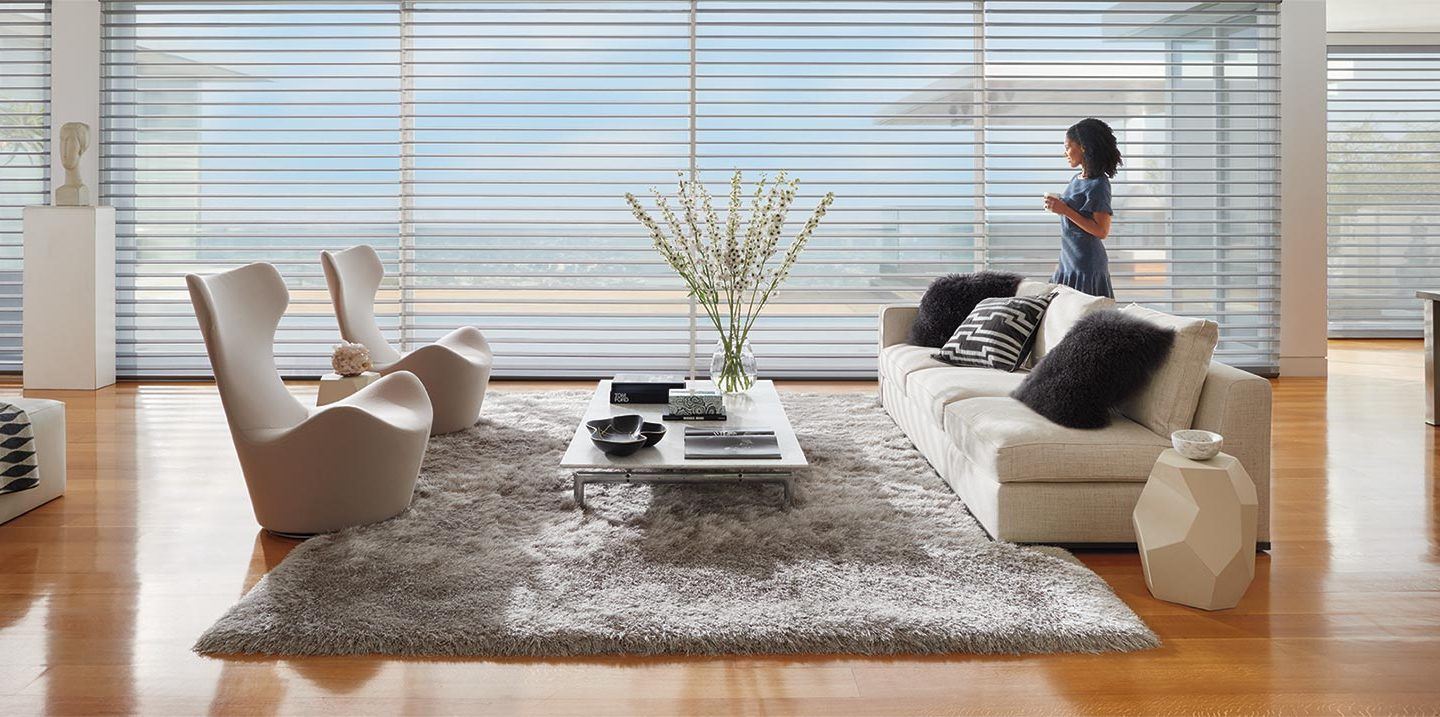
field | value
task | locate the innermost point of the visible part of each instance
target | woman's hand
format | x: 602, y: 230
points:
x: 1057, y: 205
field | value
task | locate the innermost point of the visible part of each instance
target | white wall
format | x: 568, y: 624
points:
x: 75, y: 85
x: 1302, y: 188
x: 1382, y: 15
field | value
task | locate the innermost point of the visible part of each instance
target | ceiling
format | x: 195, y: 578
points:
x: 1382, y: 15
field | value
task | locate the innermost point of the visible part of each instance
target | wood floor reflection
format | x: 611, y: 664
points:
x: 103, y: 592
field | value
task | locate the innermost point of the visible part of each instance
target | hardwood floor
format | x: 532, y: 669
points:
x: 103, y: 592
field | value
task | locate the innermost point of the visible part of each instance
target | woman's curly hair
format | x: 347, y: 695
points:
x: 1102, y: 154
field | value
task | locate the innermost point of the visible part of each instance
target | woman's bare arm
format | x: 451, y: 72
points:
x: 1098, y: 225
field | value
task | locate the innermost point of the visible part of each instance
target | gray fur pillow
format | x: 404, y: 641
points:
x: 951, y: 298
x: 1106, y: 358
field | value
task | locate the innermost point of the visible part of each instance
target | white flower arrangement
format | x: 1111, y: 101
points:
x: 730, y: 276
x: 350, y: 359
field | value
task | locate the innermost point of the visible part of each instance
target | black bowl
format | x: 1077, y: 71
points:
x: 617, y: 435
x: 652, y: 432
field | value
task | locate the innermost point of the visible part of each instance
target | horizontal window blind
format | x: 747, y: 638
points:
x: 24, y: 150
x: 853, y: 99
x: 1191, y: 91
x: 247, y: 131
x: 1384, y: 187
x: 484, y: 148
x: 526, y: 124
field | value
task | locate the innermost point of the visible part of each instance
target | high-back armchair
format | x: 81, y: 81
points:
x: 455, y: 369
x: 308, y: 470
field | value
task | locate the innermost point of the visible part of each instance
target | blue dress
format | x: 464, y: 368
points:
x: 1083, y: 263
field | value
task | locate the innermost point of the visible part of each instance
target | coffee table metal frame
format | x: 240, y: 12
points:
x: 784, y: 479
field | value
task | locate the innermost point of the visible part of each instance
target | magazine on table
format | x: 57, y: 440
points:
x: 732, y: 442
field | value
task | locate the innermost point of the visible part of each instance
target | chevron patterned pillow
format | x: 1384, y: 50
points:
x: 997, y: 334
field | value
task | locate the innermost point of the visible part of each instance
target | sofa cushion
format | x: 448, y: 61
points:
x: 1031, y: 287
x: 1167, y: 403
x: 899, y: 361
x: 1064, y: 310
x: 1002, y: 438
x: 936, y: 388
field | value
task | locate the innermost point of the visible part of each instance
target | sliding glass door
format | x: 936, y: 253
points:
x: 484, y: 148
x: 1384, y: 203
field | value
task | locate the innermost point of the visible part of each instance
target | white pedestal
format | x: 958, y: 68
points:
x: 69, y: 300
x: 334, y: 387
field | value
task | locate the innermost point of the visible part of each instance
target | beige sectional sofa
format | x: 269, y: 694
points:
x: 1029, y: 480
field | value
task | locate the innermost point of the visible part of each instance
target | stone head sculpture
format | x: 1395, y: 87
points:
x: 74, y: 140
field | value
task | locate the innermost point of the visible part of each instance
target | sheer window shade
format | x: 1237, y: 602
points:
x: 1384, y: 188
x: 24, y: 150
x: 239, y: 132
x: 484, y: 147
x: 526, y: 124
x: 1191, y: 91
x: 855, y: 100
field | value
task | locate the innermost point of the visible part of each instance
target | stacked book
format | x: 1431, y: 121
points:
x: 643, y: 388
x: 731, y: 443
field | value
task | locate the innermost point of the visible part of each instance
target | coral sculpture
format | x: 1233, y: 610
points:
x: 350, y: 359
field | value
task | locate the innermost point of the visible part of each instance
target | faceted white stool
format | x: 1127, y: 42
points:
x: 1195, y: 525
x: 334, y: 387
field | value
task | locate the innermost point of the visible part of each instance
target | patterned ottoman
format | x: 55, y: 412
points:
x: 47, y: 425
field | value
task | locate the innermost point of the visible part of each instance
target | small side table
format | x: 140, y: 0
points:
x: 334, y: 387
x: 1195, y: 524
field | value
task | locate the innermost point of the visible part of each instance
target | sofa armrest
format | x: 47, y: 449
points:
x: 1236, y: 404
x: 895, y: 323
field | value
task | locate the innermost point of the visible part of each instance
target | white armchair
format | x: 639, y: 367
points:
x: 308, y: 470
x: 454, y: 369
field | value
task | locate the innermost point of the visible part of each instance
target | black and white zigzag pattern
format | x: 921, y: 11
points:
x: 18, y: 470
x: 997, y: 334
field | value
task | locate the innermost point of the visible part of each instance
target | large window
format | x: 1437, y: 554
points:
x: 484, y: 148
x: 239, y: 132
x: 1191, y: 91
x: 1384, y: 203
x: 24, y: 149
x: 526, y: 126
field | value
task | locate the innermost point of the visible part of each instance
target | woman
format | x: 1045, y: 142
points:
x: 1084, y: 208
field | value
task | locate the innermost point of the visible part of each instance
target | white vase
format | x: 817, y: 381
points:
x: 732, y: 368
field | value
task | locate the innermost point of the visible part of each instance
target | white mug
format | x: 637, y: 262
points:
x: 1047, y: 196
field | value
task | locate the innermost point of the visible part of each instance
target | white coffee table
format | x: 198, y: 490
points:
x: 666, y: 461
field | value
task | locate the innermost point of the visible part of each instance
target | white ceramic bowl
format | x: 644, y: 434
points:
x: 1197, y: 445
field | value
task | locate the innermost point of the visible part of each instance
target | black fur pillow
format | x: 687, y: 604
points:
x: 1106, y: 358
x: 951, y: 298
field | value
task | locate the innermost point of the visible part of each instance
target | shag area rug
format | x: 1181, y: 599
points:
x: 493, y: 558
